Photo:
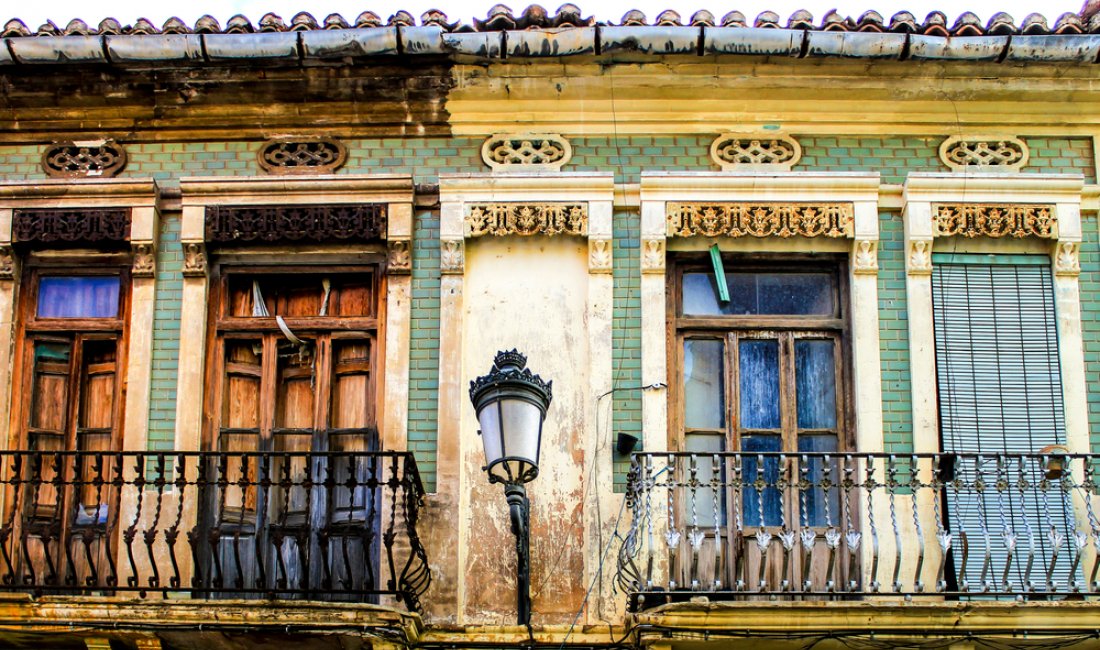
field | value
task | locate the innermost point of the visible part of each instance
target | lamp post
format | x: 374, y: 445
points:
x: 511, y: 404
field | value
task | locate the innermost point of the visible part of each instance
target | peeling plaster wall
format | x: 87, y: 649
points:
x: 530, y: 293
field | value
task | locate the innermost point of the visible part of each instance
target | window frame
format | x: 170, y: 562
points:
x: 726, y: 328
x: 222, y: 327
x: 32, y: 328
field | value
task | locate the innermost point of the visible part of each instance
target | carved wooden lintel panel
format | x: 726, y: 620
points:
x: 452, y: 256
x: 918, y: 259
x: 399, y: 257
x: 292, y: 223
x: 144, y: 260
x: 102, y: 159
x: 994, y: 220
x: 7, y: 262
x: 757, y: 219
x: 71, y: 226
x: 865, y: 256
x: 600, y: 256
x: 1067, y: 258
x: 548, y: 219
x: 302, y: 156
x: 194, y: 259
x: 653, y: 255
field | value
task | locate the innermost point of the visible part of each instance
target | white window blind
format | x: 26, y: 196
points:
x: 1000, y: 392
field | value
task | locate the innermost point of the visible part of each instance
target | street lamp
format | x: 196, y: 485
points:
x: 511, y: 404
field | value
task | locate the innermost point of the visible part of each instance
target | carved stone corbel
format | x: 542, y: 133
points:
x: 7, y: 262
x: 653, y: 255
x: 194, y: 259
x: 144, y: 260
x: 1067, y: 258
x: 452, y: 256
x: 600, y: 256
x: 399, y: 258
x: 865, y: 256
x: 918, y: 257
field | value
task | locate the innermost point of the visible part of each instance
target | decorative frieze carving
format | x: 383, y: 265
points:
x: 532, y: 151
x: 7, y: 262
x: 98, y: 159
x: 399, y: 257
x: 984, y: 153
x: 549, y: 219
x: 760, y: 219
x: 1067, y: 258
x: 73, y: 226
x: 452, y: 256
x: 733, y: 151
x: 653, y: 256
x: 144, y: 260
x: 600, y: 256
x: 919, y: 257
x: 865, y: 256
x: 318, y: 223
x: 194, y: 259
x: 302, y: 156
x: 994, y: 220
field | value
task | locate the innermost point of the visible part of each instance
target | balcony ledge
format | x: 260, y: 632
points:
x: 879, y: 616
x: 191, y: 622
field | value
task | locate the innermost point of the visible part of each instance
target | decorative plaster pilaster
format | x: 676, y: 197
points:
x: 599, y: 255
x: 1067, y: 259
x: 7, y: 262
x: 399, y: 257
x: 194, y: 259
x: 452, y: 256
x: 865, y: 256
x: 653, y: 255
x: 918, y: 258
x: 144, y: 255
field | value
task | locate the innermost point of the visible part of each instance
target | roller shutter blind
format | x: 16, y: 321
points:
x: 1000, y: 391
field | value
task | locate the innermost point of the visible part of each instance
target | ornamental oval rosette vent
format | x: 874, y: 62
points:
x: 984, y: 153
x: 302, y: 155
x: 739, y: 152
x: 526, y: 151
x: 84, y: 159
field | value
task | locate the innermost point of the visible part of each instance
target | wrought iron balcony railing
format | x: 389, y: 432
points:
x: 314, y: 526
x: 832, y: 525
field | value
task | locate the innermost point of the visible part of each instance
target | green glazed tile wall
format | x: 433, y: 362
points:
x: 1090, y: 320
x: 897, y: 411
x: 627, y: 157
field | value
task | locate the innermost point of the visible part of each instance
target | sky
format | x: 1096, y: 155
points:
x: 128, y: 11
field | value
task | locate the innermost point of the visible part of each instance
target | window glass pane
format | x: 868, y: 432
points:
x: 243, y: 371
x: 351, y: 399
x: 815, y: 383
x: 97, y: 400
x: 300, y: 295
x: 294, y: 396
x: 92, y: 296
x: 761, y: 507
x: 701, y: 295
x: 704, y: 388
x: 759, y: 383
x: 50, y: 392
x: 706, y: 504
x: 799, y: 294
x: 815, y: 509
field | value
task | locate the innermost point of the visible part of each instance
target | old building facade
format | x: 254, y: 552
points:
x: 818, y: 299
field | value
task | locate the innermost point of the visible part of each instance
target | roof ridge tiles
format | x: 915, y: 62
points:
x: 534, y: 17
